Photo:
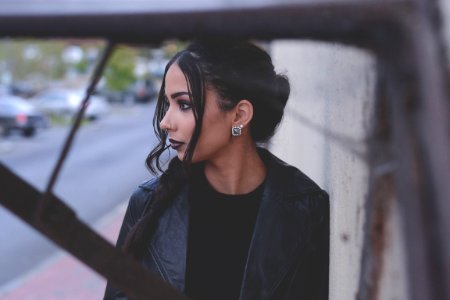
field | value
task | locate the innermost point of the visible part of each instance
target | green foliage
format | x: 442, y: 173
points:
x: 47, y: 62
x: 120, y: 71
x: 82, y: 66
x: 171, y: 47
x: 42, y: 61
x: 65, y: 120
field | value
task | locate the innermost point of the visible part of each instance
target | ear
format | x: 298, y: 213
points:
x: 243, y: 113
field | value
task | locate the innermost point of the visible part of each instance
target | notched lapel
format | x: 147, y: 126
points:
x: 279, y: 239
x: 170, y: 239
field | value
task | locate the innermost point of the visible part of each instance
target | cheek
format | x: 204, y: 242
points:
x: 216, y: 132
x: 187, y: 126
x: 215, y: 136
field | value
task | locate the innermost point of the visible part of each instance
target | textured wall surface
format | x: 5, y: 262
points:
x: 324, y: 134
x: 445, y: 12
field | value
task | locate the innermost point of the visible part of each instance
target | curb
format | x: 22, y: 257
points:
x: 62, y: 276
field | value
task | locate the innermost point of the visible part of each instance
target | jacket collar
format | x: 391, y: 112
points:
x: 281, y: 230
x: 169, y: 243
x: 279, y: 237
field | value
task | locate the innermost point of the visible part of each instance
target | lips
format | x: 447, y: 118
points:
x: 175, y: 144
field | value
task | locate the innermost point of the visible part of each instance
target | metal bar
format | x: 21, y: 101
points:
x: 410, y: 51
x: 357, y: 23
x: 421, y: 112
x: 432, y: 123
x: 415, y: 194
x: 408, y: 195
x: 381, y: 194
x: 60, y: 224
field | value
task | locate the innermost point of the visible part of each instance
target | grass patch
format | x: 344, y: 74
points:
x: 64, y: 120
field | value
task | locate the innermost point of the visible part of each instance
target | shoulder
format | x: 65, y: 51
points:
x: 149, y: 185
x: 285, y: 177
x: 141, y: 196
x: 296, y: 186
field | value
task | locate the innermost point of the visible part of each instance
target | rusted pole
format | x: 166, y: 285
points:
x: 418, y: 99
x: 421, y: 111
x: 60, y: 224
x: 433, y: 127
x: 353, y: 22
x: 381, y: 194
x: 415, y: 135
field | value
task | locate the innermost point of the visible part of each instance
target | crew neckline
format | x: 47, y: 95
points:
x: 203, y: 183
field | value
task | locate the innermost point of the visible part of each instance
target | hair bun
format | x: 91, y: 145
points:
x: 283, y: 89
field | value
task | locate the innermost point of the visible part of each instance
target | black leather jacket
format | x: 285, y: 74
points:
x: 289, y: 251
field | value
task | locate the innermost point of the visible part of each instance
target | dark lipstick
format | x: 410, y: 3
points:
x: 175, y: 144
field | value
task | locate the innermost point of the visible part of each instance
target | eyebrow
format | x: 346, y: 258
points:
x: 174, y: 95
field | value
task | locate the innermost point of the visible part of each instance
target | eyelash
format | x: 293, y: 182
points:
x: 184, y: 105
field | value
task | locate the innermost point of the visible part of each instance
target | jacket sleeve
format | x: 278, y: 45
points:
x: 138, y: 201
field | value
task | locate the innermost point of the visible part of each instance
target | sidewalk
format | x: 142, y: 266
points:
x: 62, y: 276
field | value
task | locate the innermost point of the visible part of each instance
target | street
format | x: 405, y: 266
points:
x: 104, y: 166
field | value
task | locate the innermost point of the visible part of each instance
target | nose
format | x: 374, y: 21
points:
x: 165, y: 123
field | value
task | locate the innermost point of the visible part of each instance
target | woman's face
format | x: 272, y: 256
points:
x: 179, y: 120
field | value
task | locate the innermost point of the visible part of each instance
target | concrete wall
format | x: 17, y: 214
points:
x: 445, y: 12
x: 324, y: 134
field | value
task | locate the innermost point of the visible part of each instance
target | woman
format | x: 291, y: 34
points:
x: 226, y: 219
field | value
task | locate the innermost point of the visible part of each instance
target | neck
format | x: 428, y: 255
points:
x: 238, y: 170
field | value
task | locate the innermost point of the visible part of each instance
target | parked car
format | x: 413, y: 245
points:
x: 115, y: 97
x: 66, y: 102
x: 23, y: 89
x: 141, y: 91
x: 20, y: 115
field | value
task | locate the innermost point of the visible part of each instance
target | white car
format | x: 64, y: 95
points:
x: 66, y: 102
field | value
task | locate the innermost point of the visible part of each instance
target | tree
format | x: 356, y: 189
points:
x: 120, y: 70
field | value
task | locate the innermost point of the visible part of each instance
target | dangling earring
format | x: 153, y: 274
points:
x: 236, y: 130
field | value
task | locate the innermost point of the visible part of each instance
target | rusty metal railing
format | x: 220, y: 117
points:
x: 413, y: 115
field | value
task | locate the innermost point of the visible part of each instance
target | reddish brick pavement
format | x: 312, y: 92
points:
x: 64, y: 277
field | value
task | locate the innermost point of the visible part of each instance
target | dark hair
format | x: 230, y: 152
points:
x: 236, y: 70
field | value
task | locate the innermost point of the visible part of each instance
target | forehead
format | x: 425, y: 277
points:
x: 175, y: 80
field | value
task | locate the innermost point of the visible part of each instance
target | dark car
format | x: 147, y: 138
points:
x: 141, y: 91
x: 22, y: 89
x: 17, y: 114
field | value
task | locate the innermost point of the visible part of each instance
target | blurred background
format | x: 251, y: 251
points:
x: 325, y: 133
x: 42, y: 83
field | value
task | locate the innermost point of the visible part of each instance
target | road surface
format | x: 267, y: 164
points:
x: 104, y: 166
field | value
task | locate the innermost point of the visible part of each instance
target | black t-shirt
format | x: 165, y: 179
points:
x: 220, y: 232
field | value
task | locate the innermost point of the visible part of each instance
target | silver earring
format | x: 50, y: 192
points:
x: 236, y: 130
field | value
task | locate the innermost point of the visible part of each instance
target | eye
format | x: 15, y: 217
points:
x: 184, y: 105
